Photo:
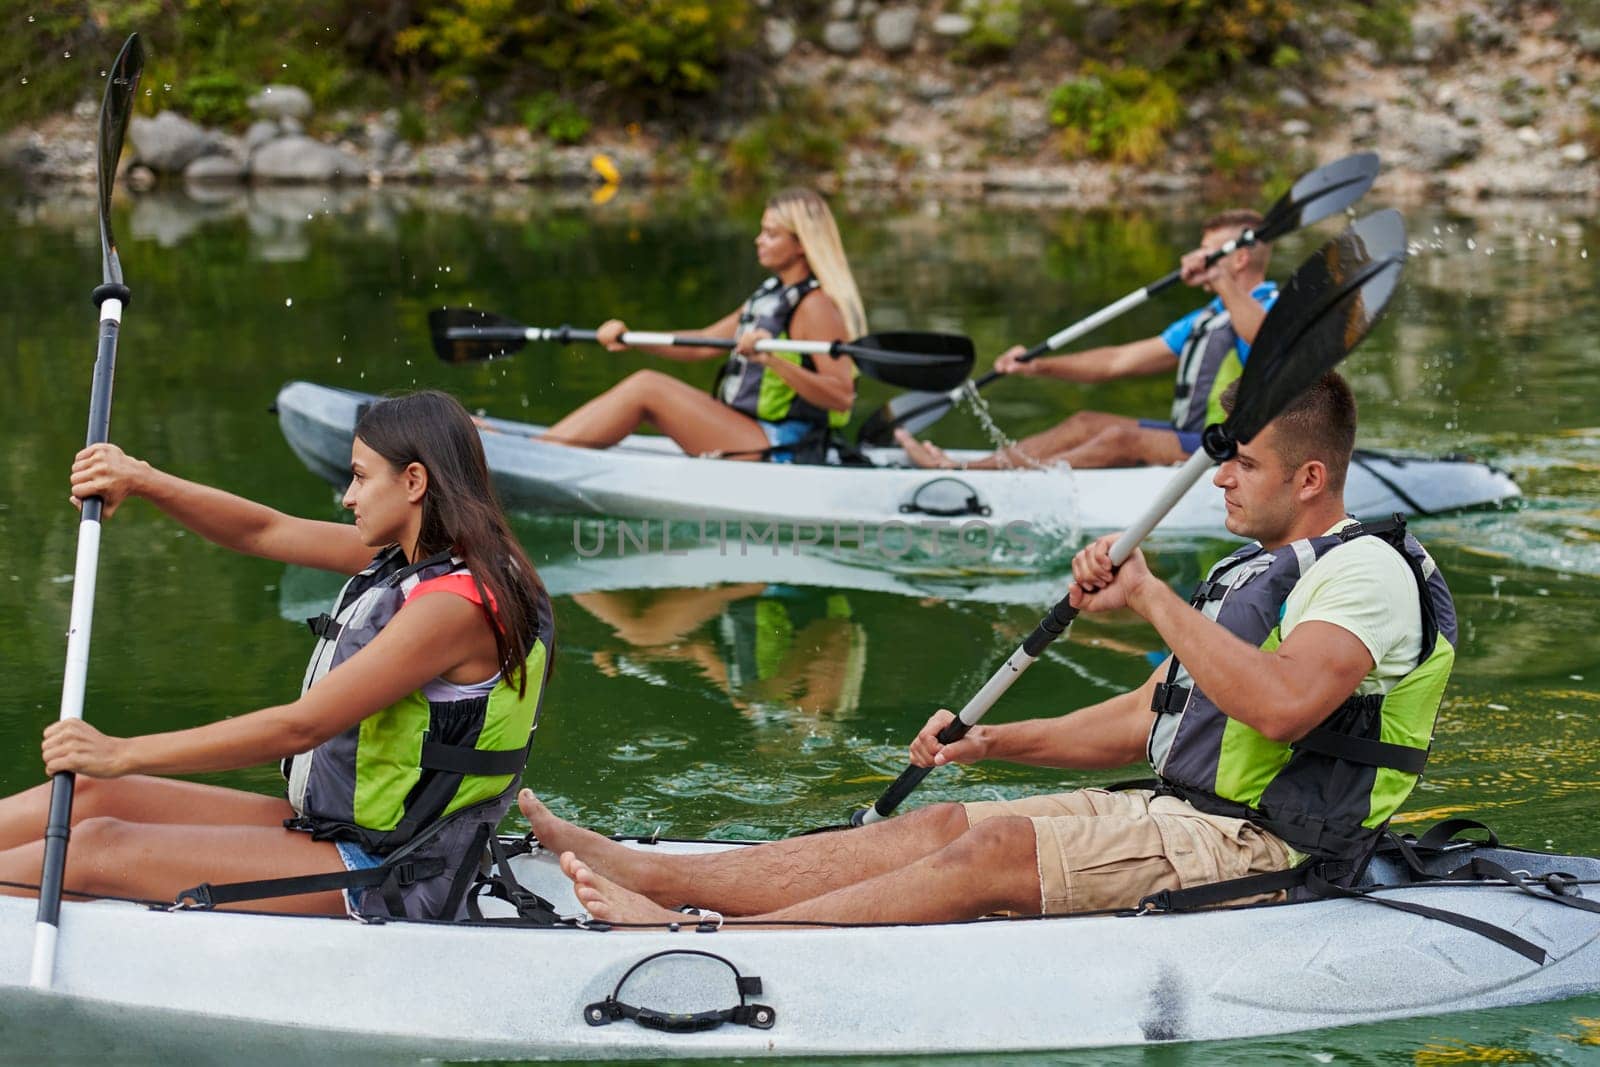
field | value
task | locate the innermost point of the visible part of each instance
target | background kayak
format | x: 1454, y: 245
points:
x: 649, y: 476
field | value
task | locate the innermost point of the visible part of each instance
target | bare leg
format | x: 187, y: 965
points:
x: 110, y: 857
x: 662, y: 619
x: 698, y: 421
x: 1040, y: 448
x: 746, y: 881
x: 140, y: 799
x: 1121, y: 446
x: 992, y: 867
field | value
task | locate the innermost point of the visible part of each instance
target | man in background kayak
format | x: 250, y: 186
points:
x: 1210, y: 345
x: 1292, y: 720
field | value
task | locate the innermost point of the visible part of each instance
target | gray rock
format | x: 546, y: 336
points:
x: 1102, y: 25
x: 381, y: 138
x: 842, y: 9
x: 1589, y: 41
x: 1364, y: 105
x: 1433, y: 32
x: 214, y: 170
x: 930, y: 88
x: 951, y: 25
x: 1293, y: 98
x: 1530, y: 136
x: 169, y: 142
x: 1467, y: 116
x: 281, y: 102
x: 1519, y: 114
x: 1437, y: 142
x: 289, y: 126
x: 1295, y: 128
x: 1574, y: 153
x: 301, y: 159
x: 843, y: 37
x: 1366, y: 51
x: 260, y: 132
x: 894, y: 29
x: 85, y: 108
x: 780, y: 37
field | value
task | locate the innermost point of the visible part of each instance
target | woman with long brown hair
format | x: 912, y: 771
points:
x: 765, y: 403
x: 412, y: 726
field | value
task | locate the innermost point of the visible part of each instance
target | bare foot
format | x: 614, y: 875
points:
x: 605, y: 899
x: 923, y: 454
x: 558, y: 835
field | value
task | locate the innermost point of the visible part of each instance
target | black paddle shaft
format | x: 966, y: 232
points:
x: 111, y: 296
x: 1057, y: 622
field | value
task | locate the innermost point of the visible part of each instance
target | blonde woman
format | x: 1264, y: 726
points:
x: 765, y: 405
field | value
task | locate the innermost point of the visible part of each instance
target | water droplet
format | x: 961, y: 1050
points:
x: 24, y: 79
x: 1471, y: 244
x: 30, y: 18
x: 288, y: 301
x: 66, y: 55
x: 166, y: 87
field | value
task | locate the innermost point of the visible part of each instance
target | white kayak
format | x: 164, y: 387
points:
x: 191, y: 986
x: 649, y: 477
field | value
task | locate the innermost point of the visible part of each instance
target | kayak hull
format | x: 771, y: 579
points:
x: 649, y: 477
x: 261, y: 986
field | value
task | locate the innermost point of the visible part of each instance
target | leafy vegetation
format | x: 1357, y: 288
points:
x: 464, y: 60
x: 1121, y: 114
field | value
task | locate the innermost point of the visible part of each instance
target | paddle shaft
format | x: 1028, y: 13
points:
x: 1056, y: 623
x: 58, y: 822
x: 567, y: 334
x: 1088, y: 324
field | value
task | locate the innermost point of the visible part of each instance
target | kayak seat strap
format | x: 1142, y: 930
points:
x: 501, y: 883
x: 386, y: 877
x: 613, y: 1008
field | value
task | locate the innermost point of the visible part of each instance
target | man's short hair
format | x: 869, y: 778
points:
x: 1242, y: 219
x: 1318, y: 424
x: 1237, y: 218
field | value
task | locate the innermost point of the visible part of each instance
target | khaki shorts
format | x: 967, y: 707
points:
x: 1102, y: 849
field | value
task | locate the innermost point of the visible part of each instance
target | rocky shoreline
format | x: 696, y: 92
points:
x: 1489, y: 99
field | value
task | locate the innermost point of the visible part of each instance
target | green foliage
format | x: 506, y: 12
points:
x: 213, y: 99
x: 555, y: 118
x: 1119, y: 114
x: 654, y: 49
x: 810, y: 133
x: 996, y: 29
x: 1386, y: 23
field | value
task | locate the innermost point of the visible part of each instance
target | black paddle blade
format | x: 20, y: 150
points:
x: 913, y: 411
x: 1328, y: 305
x: 467, y: 335
x: 1325, y: 191
x: 914, y: 360
x: 115, y: 108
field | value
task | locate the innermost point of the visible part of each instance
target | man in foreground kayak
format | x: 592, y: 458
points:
x: 1293, y: 720
x: 1210, y: 346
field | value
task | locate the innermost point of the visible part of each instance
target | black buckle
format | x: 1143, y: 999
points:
x: 323, y: 626
x: 1169, y: 699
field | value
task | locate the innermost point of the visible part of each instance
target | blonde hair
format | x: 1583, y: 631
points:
x: 806, y: 215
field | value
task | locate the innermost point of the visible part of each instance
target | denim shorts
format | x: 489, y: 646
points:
x: 355, y: 858
x: 783, y: 436
x: 1187, y: 440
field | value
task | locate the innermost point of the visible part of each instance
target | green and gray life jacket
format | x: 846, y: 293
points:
x: 1207, y: 364
x: 407, y: 766
x: 1331, y: 792
x: 746, y: 386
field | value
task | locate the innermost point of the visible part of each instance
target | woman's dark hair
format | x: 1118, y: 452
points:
x: 461, y: 514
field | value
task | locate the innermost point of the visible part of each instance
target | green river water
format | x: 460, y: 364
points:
x: 771, y: 705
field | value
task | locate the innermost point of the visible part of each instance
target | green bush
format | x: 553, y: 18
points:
x: 213, y: 99
x: 555, y: 118
x: 1122, y: 115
